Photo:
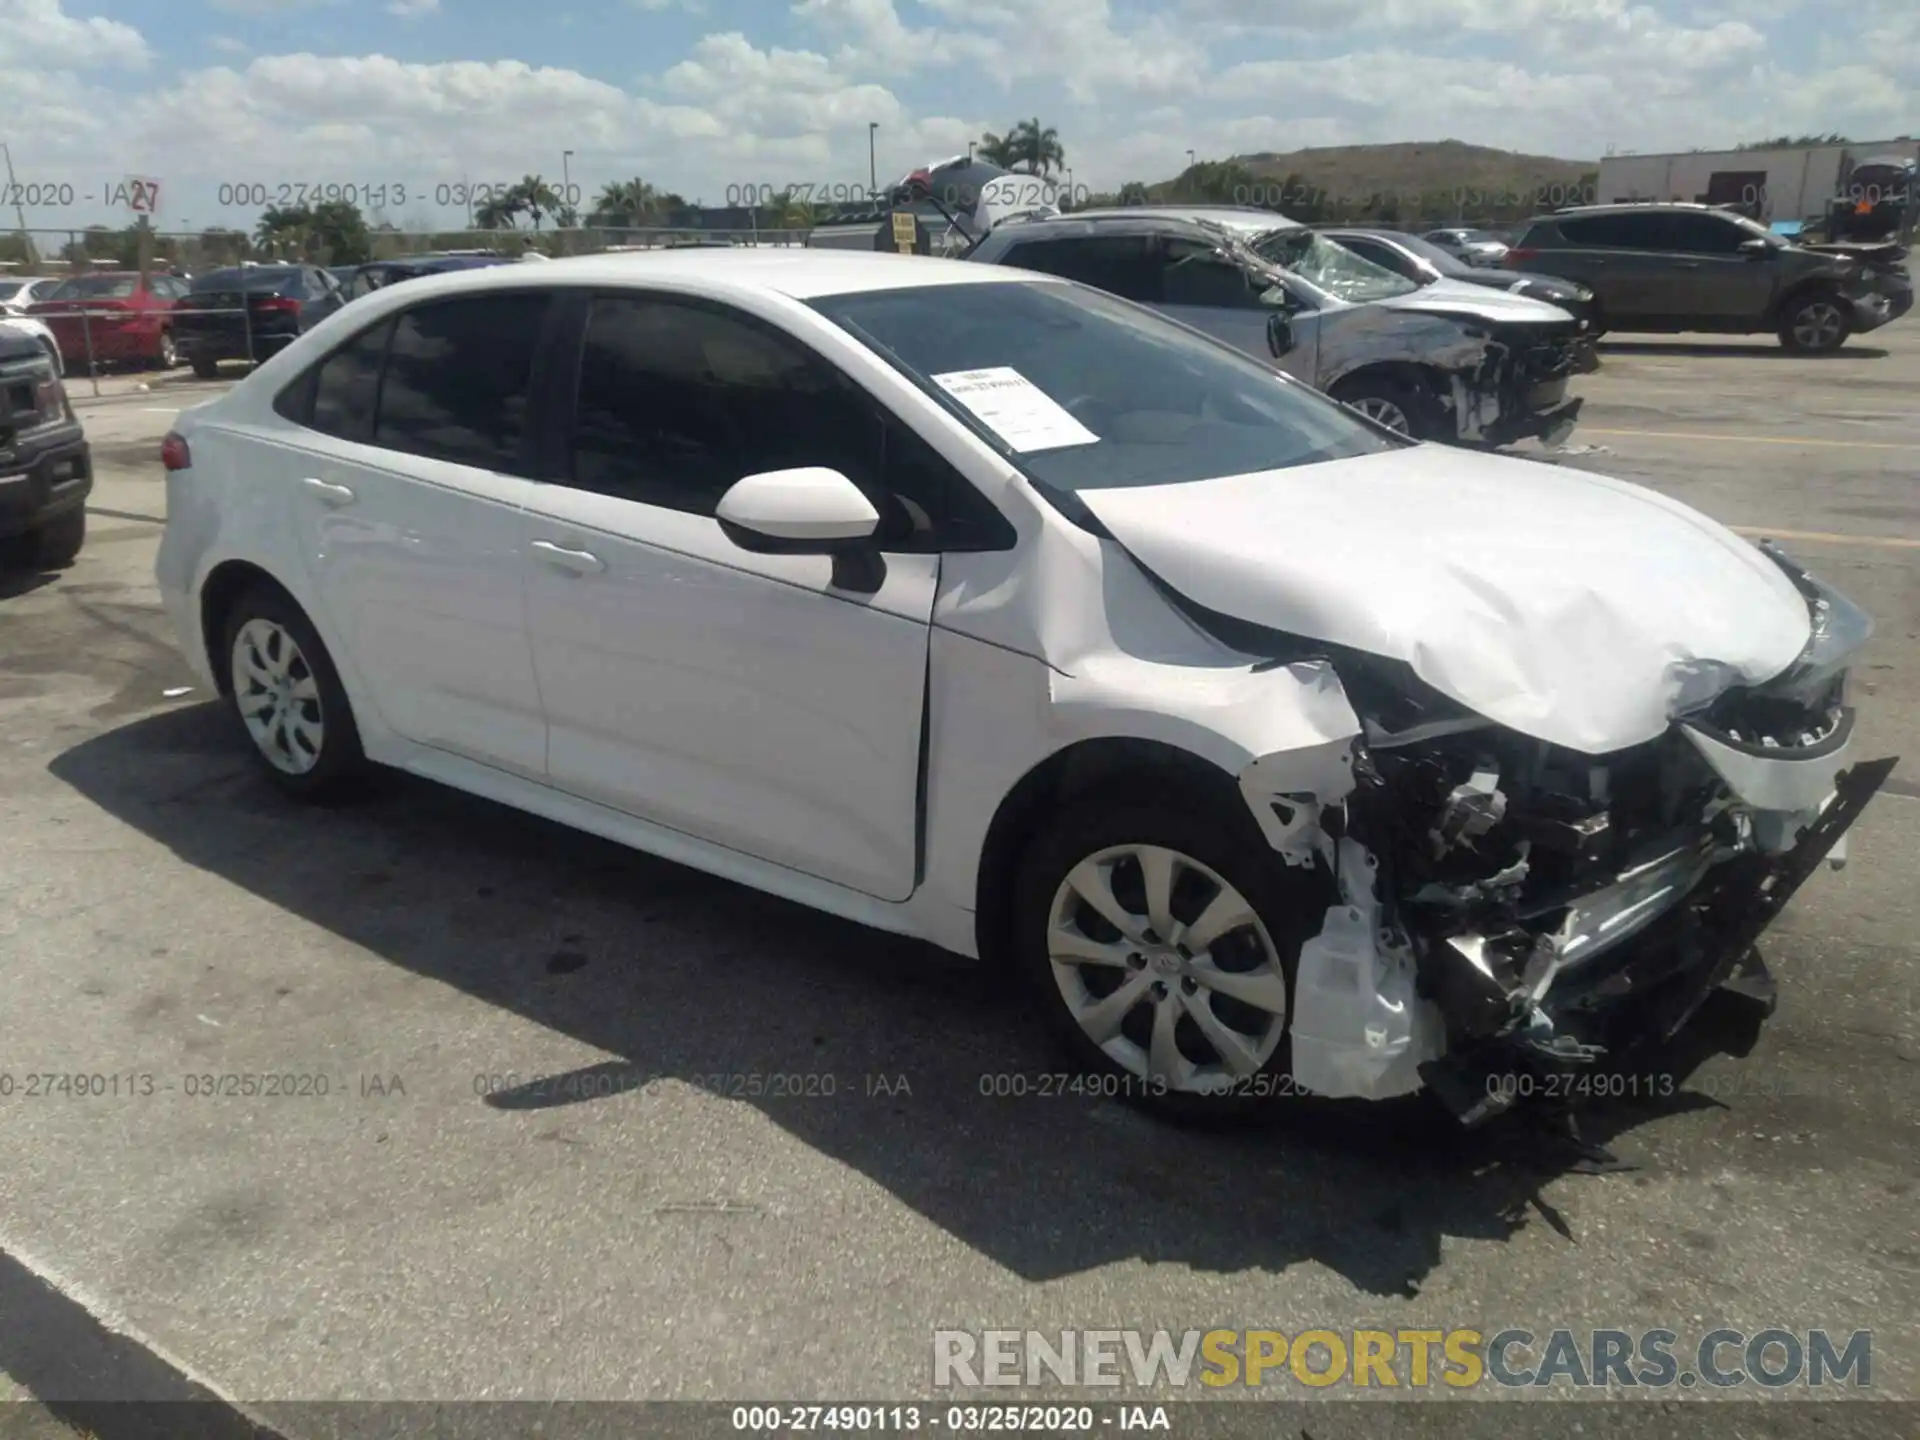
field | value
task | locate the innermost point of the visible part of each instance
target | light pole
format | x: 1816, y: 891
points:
x: 970, y: 145
x: 873, y: 171
x: 566, y: 181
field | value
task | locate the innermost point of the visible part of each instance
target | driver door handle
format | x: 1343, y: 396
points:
x: 576, y: 562
x: 329, y: 492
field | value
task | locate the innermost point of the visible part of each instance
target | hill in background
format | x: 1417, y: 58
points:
x: 1432, y: 180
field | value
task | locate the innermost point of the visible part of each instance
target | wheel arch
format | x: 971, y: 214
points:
x: 224, y: 585
x: 1072, y: 771
x: 1800, y: 290
x: 1426, y: 378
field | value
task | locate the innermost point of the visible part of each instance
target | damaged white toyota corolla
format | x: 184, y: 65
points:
x: 1276, y: 751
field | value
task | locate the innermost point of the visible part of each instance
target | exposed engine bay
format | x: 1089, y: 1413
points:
x: 1509, y: 906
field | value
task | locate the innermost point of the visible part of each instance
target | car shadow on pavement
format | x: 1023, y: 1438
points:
x: 1759, y: 348
x: 689, y: 977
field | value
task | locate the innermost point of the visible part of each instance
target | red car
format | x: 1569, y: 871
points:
x: 112, y: 316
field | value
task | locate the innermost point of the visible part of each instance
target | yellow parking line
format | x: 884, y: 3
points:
x: 1890, y: 542
x: 1757, y: 439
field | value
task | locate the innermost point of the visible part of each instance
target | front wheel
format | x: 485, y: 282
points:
x: 287, y: 696
x: 1159, y: 947
x: 1403, y: 408
x: 57, y: 543
x: 1815, y: 324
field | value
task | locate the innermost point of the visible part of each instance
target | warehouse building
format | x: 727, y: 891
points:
x: 1790, y: 184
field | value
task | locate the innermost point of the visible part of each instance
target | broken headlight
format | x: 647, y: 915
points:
x: 1839, y: 626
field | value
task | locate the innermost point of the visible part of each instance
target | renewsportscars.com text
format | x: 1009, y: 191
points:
x: 1404, y: 1359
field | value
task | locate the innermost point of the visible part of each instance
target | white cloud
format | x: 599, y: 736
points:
x: 40, y: 33
x: 1129, y: 87
x: 413, y: 9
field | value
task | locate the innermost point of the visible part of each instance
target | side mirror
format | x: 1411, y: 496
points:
x: 1754, y: 249
x: 812, y: 510
x: 808, y: 511
x: 1280, y: 337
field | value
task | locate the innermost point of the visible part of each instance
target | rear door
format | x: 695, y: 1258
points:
x: 409, y: 483
x: 1622, y: 258
x: 768, y: 703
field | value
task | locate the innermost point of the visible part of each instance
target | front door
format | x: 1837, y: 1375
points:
x: 769, y: 703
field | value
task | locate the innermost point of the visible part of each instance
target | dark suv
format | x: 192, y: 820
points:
x: 1668, y: 268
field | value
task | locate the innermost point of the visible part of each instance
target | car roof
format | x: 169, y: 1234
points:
x: 1632, y: 207
x: 792, y: 271
x: 1245, y: 219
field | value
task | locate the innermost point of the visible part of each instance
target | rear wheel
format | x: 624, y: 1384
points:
x: 1159, y: 947
x: 1815, y: 324
x: 287, y: 696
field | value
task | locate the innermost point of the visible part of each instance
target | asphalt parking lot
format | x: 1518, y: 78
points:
x: 540, y: 1170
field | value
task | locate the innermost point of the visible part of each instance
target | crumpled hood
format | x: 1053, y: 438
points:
x: 1571, y: 607
x: 1463, y: 298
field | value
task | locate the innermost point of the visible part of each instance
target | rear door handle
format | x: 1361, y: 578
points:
x: 577, y: 562
x: 329, y: 492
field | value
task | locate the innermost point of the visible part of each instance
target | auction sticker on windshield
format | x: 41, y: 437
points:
x: 1015, y: 409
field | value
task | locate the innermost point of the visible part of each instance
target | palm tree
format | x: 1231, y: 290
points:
x: 1037, y: 146
x: 538, y: 199
x: 499, y: 210
x: 997, y: 150
x: 790, y: 212
x: 625, y: 205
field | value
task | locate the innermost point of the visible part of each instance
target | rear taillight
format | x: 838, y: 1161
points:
x: 278, y: 305
x: 1519, y: 256
x: 174, y: 453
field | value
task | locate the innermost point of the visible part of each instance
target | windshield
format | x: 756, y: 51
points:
x: 1330, y: 266
x: 96, y: 287
x: 1084, y: 391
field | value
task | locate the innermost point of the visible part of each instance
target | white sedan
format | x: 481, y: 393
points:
x: 1274, y: 751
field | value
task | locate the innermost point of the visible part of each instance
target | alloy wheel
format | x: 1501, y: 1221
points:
x: 169, y: 356
x: 278, y: 696
x: 1167, y: 968
x: 1384, y: 412
x: 1819, y: 326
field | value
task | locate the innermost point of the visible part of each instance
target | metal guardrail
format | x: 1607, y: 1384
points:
x: 87, y: 317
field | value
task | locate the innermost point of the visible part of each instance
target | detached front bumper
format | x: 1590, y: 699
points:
x: 1549, y: 426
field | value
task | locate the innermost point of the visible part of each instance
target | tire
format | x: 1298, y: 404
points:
x: 304, y: 735
x: 1108, y: 830
x: 206, y: 369
x: 56, y: 544
x: 1400, y: 406
x: 1815, y: 324
x: 166, y: 357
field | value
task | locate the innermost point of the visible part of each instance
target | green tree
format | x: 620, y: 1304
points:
x: 284, y: 231
x: 1134, y: 192
x: 627, y: 205
x: 1789, y: 142
x: 1035, y: 146
x: 997, y: 150
x: 338, y: 235
x: 538, y: 199
x: 499, y: 211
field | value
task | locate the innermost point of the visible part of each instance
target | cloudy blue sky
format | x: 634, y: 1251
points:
x: 708, y: 96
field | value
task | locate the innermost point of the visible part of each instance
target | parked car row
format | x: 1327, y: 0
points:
x: 1274, y: 751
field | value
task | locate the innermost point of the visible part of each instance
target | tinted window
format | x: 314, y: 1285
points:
x: 459, y: 379
x: 677, y: 402
x: 1160, y: 405
x: 257, y: 280
x: 1124, y: 265
x: 1700, y: 234
x: 1614, y: 232
x: 1196, y: 274
x: 1383, y: 255
x: 346, y: 386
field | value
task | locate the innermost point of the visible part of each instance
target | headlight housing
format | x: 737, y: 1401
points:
x: 1840, y: 628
